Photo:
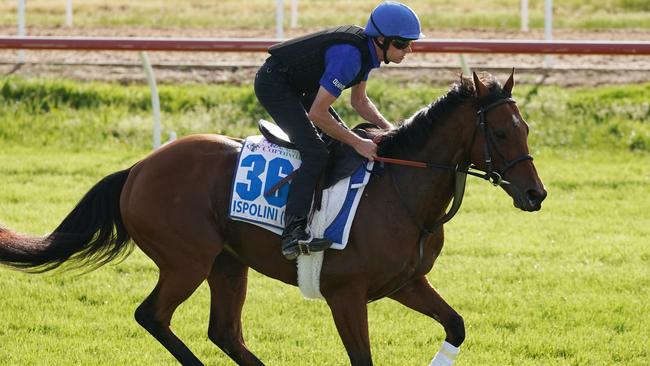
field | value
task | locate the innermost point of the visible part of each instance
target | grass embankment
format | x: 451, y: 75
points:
x: 65, y: 114
x: 260, y: 15
x: 564, y: 286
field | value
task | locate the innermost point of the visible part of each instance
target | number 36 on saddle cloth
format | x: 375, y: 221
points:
x: 256, y: 198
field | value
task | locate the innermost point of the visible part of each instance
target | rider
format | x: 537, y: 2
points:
x: 301, y: 80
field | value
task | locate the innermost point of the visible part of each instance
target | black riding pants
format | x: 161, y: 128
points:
x: 289, y: 110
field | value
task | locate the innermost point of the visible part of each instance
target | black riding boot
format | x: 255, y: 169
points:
x: 296, y: 240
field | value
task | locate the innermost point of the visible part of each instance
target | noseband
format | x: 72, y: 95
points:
x: 491, y: 175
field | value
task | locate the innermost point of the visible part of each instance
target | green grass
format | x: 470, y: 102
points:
x: 259, y: 15
x: 78, y: 115
x: 565, y: 286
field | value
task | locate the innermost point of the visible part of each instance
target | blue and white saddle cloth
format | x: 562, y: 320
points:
x: 262, y: 164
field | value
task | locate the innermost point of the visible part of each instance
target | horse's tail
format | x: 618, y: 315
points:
x: 93, y: 234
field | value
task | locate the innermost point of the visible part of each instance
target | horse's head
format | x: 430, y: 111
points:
x: 500, y: 145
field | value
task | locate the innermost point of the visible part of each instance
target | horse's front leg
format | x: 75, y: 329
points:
x: 419, y: 295
x: 351, y: 318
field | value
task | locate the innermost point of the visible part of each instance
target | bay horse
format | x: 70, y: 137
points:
x: 173, y: 204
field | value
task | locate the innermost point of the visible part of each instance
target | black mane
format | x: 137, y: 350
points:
x: 415, y: 131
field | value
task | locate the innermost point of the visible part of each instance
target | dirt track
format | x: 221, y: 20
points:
x: 240, y: 67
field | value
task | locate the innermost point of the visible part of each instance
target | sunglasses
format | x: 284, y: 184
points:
x: 401, y: 44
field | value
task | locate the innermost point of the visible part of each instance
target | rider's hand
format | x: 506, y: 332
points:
x: 366, y: 148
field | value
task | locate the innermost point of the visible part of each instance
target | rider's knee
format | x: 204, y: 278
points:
x: 316, y: 156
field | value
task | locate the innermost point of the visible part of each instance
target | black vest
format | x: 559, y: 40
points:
x: 305, y: 56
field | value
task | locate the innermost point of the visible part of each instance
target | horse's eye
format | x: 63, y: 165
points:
x: 500, y: 134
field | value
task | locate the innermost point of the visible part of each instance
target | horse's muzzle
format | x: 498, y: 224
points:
x: 530, y: 200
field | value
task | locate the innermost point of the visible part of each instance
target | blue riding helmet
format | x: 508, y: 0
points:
x: 394, y: 20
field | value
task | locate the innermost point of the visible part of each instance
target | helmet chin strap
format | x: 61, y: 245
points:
x: 384, y: 47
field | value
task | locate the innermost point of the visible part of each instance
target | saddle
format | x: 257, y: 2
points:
x: 343, y: 160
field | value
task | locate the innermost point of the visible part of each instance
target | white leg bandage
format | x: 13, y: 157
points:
x: 445, y: 356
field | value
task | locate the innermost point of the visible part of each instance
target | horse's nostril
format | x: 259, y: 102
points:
x: 536, y: 195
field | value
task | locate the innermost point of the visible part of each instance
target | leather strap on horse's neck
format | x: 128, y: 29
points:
x: 425, y: 233
x: 459, y: 191
x: 491, y: 175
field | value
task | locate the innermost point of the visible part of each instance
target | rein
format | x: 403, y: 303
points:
x: 489, y: 174
x: 492, y: 176
x: 428, y: 165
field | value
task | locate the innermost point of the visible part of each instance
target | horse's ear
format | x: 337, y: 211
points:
x: 481, y: 89
x: 510, y: 83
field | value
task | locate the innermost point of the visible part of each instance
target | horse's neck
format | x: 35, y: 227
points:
x: 429, y: 191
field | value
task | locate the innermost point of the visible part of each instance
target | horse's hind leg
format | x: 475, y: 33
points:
x: 228, y: 281
x: 174, y: 286
x: 155, y: 313
x: 420, y: 296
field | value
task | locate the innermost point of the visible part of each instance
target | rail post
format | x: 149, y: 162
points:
x: 548, y: 30
x: 463, y: 64
x: 294, y: 13
x: 279, y: 19
x: 21, y: 28
x: 524, y: 15
x: 155, y: 100
x: 68, y: 13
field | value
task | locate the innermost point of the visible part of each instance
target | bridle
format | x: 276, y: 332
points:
x: 495, y: 177
x: 489, y: 174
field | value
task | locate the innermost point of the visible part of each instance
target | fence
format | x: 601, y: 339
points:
x: 261, y: 45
